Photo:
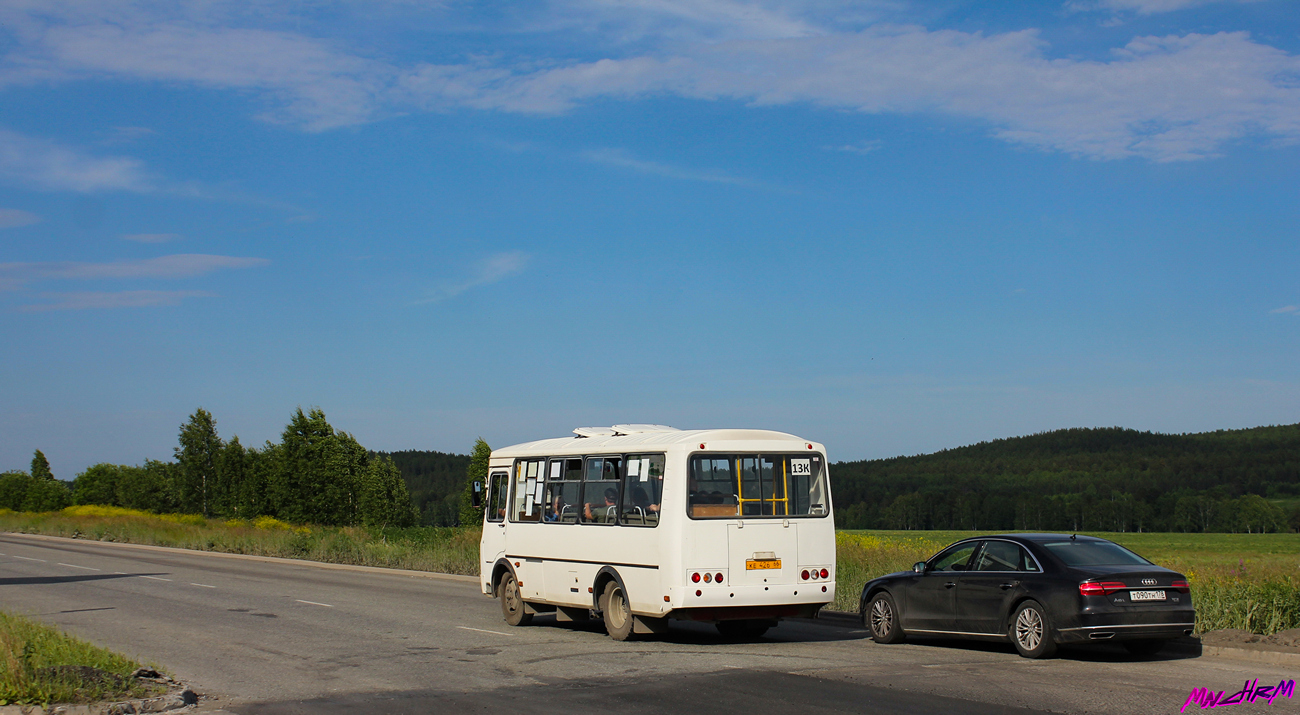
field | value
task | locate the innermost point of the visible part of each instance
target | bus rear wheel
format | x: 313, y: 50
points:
x: 512, y: 602
x: 617, y: 612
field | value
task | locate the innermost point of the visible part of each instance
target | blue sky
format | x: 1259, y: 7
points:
x: 891, y: 227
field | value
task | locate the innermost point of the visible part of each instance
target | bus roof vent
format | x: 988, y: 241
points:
x: 594, y: 432
x: 642, y: 429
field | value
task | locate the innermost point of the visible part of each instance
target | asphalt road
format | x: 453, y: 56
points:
x: 280, y: 636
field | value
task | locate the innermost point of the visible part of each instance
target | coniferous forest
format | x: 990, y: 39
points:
x: 1109, y: 479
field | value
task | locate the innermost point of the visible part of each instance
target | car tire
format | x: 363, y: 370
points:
x: 512, y: 602
x: 1031, y: 631
x: 743, y: 629
x: 881, y: 618
x: 1145, y: 647
x: 617, y: 612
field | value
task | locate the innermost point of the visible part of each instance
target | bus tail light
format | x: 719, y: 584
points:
x: 718, y: 578
x: 804, y: 575
x: 695, y: 577
x: 826, y: 574
x: 1100, y: 588
x: 708, y: 578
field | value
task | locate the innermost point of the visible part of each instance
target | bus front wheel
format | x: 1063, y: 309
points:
x: 617, y: 612
x: 512, y: 603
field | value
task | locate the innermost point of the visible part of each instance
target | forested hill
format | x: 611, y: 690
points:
x: 435, y: 480
x: 1084, y: 479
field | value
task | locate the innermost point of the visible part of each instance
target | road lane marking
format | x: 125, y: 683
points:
x: 299, y: 600
x: 482, y: 630
x: 26, y: 558
x: 74, y: 566
x: 202, y: 585
x: 155, y: 578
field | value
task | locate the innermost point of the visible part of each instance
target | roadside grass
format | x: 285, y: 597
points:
x: 40, y: 665
x: 1246, y: 581
x: 444, y: 550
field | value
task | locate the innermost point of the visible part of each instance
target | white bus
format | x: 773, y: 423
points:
x: 639, y: 524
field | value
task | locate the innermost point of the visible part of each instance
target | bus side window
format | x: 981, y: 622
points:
x: 562, y: 500
x: 600, y: 490
x: 496, y: 505
x: 528, y: 475
x: 642, y: 490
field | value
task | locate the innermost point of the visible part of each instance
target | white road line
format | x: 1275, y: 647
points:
x: 202, y: 585
x: 155, y: 578
x: 26, y: 558
x: 481, y: 630
x: 74, y: 566
x: 299, y: 600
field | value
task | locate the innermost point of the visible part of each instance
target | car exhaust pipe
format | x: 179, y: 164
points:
x: 1101, y: 636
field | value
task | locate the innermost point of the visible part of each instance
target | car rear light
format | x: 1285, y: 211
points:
x: 718, y: 578
x: 708, y: 578
x: 1181, y: 586
x: 1100, y: 588
x: 695, y: 578
x: 804, y: 574
x: 826, y: 574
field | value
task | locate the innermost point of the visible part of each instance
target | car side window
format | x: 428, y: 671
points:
x: 954, y: 559
x: 1000, y: 556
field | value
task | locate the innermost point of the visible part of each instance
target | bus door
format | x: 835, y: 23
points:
x: 493, y: 544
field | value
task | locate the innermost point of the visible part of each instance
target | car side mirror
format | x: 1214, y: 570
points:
x: 477, y: 495
x: 919, y: 567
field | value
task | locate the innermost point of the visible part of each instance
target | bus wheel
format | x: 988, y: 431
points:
x: 618, y: 615
x: 512, y: 604
x: 743, y: 629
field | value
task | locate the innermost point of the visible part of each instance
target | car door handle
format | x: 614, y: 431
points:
x: 1009, y: 584
x: 950, y: 584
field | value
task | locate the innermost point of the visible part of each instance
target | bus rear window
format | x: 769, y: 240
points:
x: 756, y: 485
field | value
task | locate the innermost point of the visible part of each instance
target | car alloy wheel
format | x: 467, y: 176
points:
x: 1031, y: 632
x: 882, y: 619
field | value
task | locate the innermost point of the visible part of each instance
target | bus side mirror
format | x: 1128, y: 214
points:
x: 919, y: 567
x: 477, y: 498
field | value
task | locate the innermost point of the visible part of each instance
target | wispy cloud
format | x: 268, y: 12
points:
x: 862, y: 147
x: 13, y: 218
x: 15, y: 275
x: 27, y: 162
x: 624, y: 160
x: 488, y: 271
x: 151, y: 237
x: 1291, y: 309
x: 107, y: 300
x: 1143, y: 7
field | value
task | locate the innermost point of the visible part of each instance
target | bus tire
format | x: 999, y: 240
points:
x: 512, y: 602
x: 617, y: 612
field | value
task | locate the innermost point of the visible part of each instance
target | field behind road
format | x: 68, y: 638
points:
x: 1247, y: 581
x: 297, y: 637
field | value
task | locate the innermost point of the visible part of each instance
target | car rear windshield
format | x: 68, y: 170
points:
x: 1094, y: 553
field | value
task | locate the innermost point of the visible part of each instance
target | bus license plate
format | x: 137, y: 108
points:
x: 753, y: 564
x: 1146, y: 595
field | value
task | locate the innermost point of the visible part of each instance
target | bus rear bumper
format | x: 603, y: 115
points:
x: 746, y: 613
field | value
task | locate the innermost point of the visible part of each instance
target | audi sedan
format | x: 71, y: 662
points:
x: 1035, y: 590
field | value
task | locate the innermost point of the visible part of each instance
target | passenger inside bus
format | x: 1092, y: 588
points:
x: 603, y: 513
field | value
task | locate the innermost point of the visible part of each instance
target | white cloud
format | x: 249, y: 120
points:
x: 44, y: 164
x: 107, y: 300
x: 14, y: 275
x: 495, y: 268
x: 151, y: 237
x: 623, y: 160
x: 13, y: 218
x: 1292, y: 309
x: 1144, y: 7
x: 862, y: 147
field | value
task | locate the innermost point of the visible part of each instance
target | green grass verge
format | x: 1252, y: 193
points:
x: 31, y: 656
x: 1247, y: 581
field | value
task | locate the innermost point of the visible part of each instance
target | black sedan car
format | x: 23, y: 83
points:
x: 1036, y: 590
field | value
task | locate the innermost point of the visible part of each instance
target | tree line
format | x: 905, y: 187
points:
x: 314, y: 474
x: 1108, y: 479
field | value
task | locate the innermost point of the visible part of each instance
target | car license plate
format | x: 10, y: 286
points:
x: 1146, y: 595
x: 753, y: 564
